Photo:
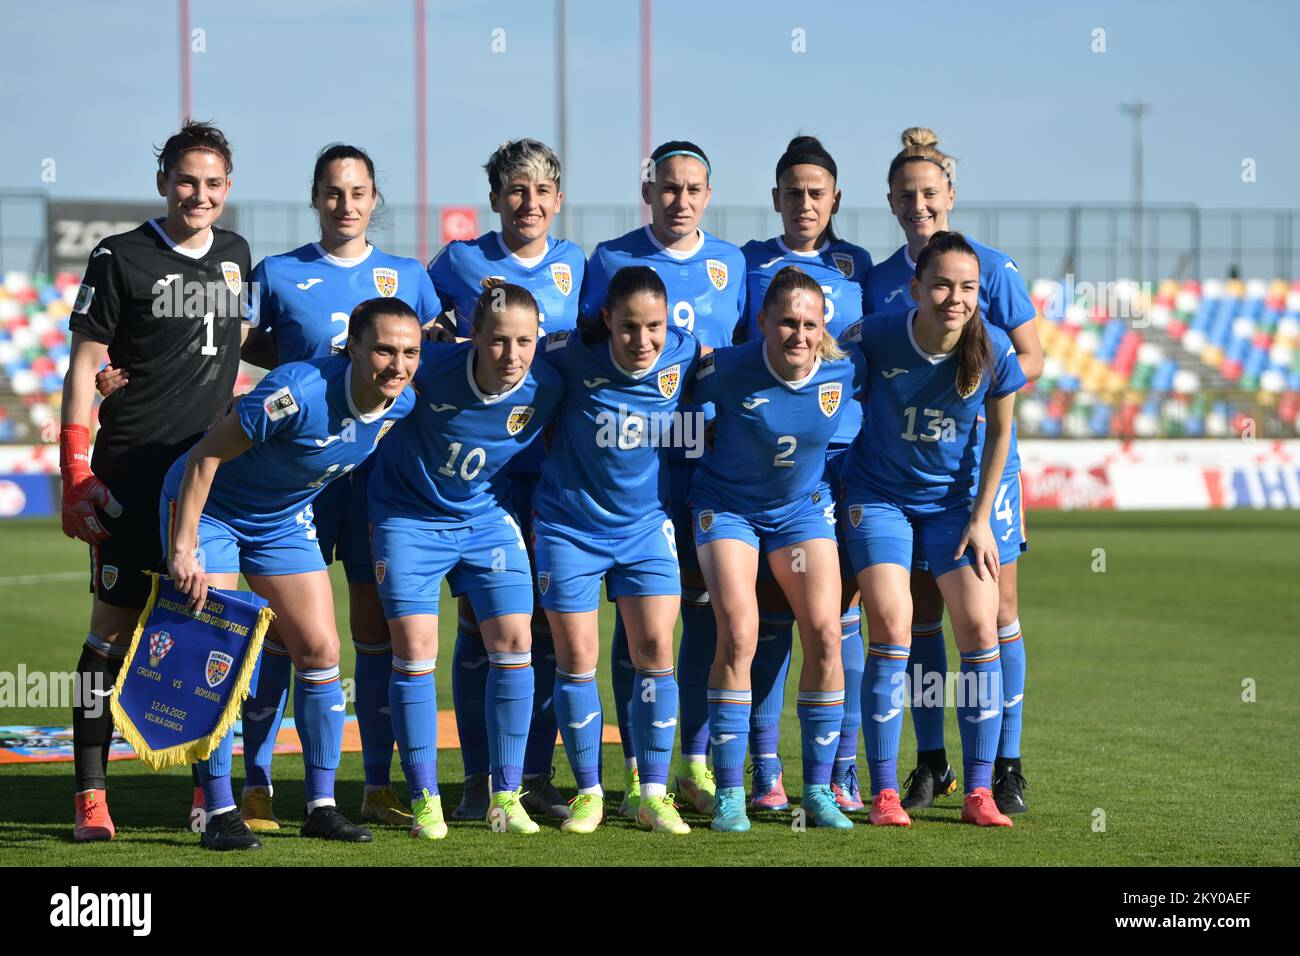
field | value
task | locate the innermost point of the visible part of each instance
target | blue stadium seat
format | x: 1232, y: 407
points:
x: 1255, y: 362
x: 1164, y: 377
x: 1220, y: 329
x: 1099, y: 422
x: 1237, y: 349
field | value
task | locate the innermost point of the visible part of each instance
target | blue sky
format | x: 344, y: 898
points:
x: 1014, y: 90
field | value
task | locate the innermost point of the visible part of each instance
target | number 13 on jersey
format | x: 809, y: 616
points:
x: 939, y: 427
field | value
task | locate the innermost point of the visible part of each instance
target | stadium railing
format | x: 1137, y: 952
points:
x: 1185, y: 360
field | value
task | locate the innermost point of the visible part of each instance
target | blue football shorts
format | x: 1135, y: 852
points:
x: 811, y: 517
x: 487, y: 561
x: 878, y: 530
x: 235, y: 545
x: 343, y: 524
x: 571, y: 564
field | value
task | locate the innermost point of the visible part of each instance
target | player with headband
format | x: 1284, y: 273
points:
x: 705, y: 281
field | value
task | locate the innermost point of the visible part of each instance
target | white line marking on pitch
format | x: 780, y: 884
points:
x: 42, y: 578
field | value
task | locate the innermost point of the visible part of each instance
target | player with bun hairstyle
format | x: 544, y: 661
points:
x: 602, y: 513
x: 705, y: 281
x: 524, y: 190
x: 439, y: 511
x: 921, y: 196
x: 807, y: 195
x: 922, y: 479
x: 169, y: 296
x: 246, y: 490
x: 780, y: 400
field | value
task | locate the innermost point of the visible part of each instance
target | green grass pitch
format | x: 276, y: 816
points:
x: 1134, y: 710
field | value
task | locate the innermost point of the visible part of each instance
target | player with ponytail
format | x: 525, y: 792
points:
x: 301, y: 299
x: 922, y: 192
x: 921, y: 478
x: 602, y: 514
x: 439, y: 510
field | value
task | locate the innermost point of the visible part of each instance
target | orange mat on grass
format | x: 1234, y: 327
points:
x: 30, y: 744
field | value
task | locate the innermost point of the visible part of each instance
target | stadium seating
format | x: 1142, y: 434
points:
x: 1194, y: 360
x: 1204, y: 360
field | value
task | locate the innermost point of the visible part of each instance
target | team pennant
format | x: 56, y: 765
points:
x: 185, y: 674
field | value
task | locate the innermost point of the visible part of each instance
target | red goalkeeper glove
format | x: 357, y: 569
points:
x: 82, y: 491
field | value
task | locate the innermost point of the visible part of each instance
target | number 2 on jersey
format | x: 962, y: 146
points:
x: 340, y: 338
x: 782, y: 459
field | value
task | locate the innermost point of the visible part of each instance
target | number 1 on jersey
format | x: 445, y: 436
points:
x: 210, y: 348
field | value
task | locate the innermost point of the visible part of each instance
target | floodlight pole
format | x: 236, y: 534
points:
x: 561, y: 89
x: 421, y: 140
x: 1137, y: 109
x: 645, y: 95
x: 185, y: 60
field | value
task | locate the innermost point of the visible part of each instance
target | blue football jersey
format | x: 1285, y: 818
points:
x: 303, y: 298
x: 839, y: 267
x: 555, y: 280
x: 603, y: 470
x: 770, y: 448
x: 441, y: 466
x: 920, y: 445
x: 1004, y: 300
x: 306, y: 432
x: 706, y: 285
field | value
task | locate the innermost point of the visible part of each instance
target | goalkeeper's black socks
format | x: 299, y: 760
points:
x: 92, y: 721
